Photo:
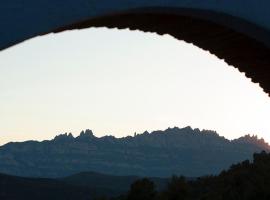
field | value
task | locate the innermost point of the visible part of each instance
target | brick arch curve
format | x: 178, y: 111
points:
x: 237, y: 33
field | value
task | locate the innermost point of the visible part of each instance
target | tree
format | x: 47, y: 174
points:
x: 178, y: 188
x: 142, y: 189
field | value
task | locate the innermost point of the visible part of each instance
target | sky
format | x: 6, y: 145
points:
x: 121, y: 82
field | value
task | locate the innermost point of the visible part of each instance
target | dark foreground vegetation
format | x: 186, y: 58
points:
x: 243, y: 181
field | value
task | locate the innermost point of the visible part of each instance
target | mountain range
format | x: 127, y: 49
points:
x: 180, y: 151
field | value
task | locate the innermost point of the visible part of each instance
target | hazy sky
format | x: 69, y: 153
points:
x: 121, y: 82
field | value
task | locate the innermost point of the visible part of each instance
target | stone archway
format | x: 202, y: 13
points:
x: 238, y: 32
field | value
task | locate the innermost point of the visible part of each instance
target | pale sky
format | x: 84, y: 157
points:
x: 120, y: 82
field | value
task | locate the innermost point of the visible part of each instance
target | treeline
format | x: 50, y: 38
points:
x: 243, y: 181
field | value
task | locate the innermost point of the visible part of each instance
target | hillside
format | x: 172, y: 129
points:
x: 111, y: 184
x: 12, y: 187
x: 189, y: 152
x: 85, y: 186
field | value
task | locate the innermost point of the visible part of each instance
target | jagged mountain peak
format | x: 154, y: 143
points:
x: 253, y: 139
x: 65, y: 136
x: 86, y: 134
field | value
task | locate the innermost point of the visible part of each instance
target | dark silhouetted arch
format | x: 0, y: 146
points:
x: 238, y: 32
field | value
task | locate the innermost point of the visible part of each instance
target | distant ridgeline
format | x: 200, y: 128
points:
x: 189, y: 152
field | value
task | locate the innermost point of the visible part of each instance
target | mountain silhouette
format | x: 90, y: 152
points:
x: 186, y: 151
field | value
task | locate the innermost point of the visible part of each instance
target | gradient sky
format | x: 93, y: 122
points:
x: 120, y: 82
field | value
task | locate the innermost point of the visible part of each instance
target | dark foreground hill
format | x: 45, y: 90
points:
x: 17, y: 188
x: 85, y: 186
x: 112, y: 185
x: 189, y: 152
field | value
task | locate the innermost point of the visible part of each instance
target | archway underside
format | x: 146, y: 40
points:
x: 239, y: 50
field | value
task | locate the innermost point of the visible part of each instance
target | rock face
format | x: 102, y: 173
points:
x: 185, y: 151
